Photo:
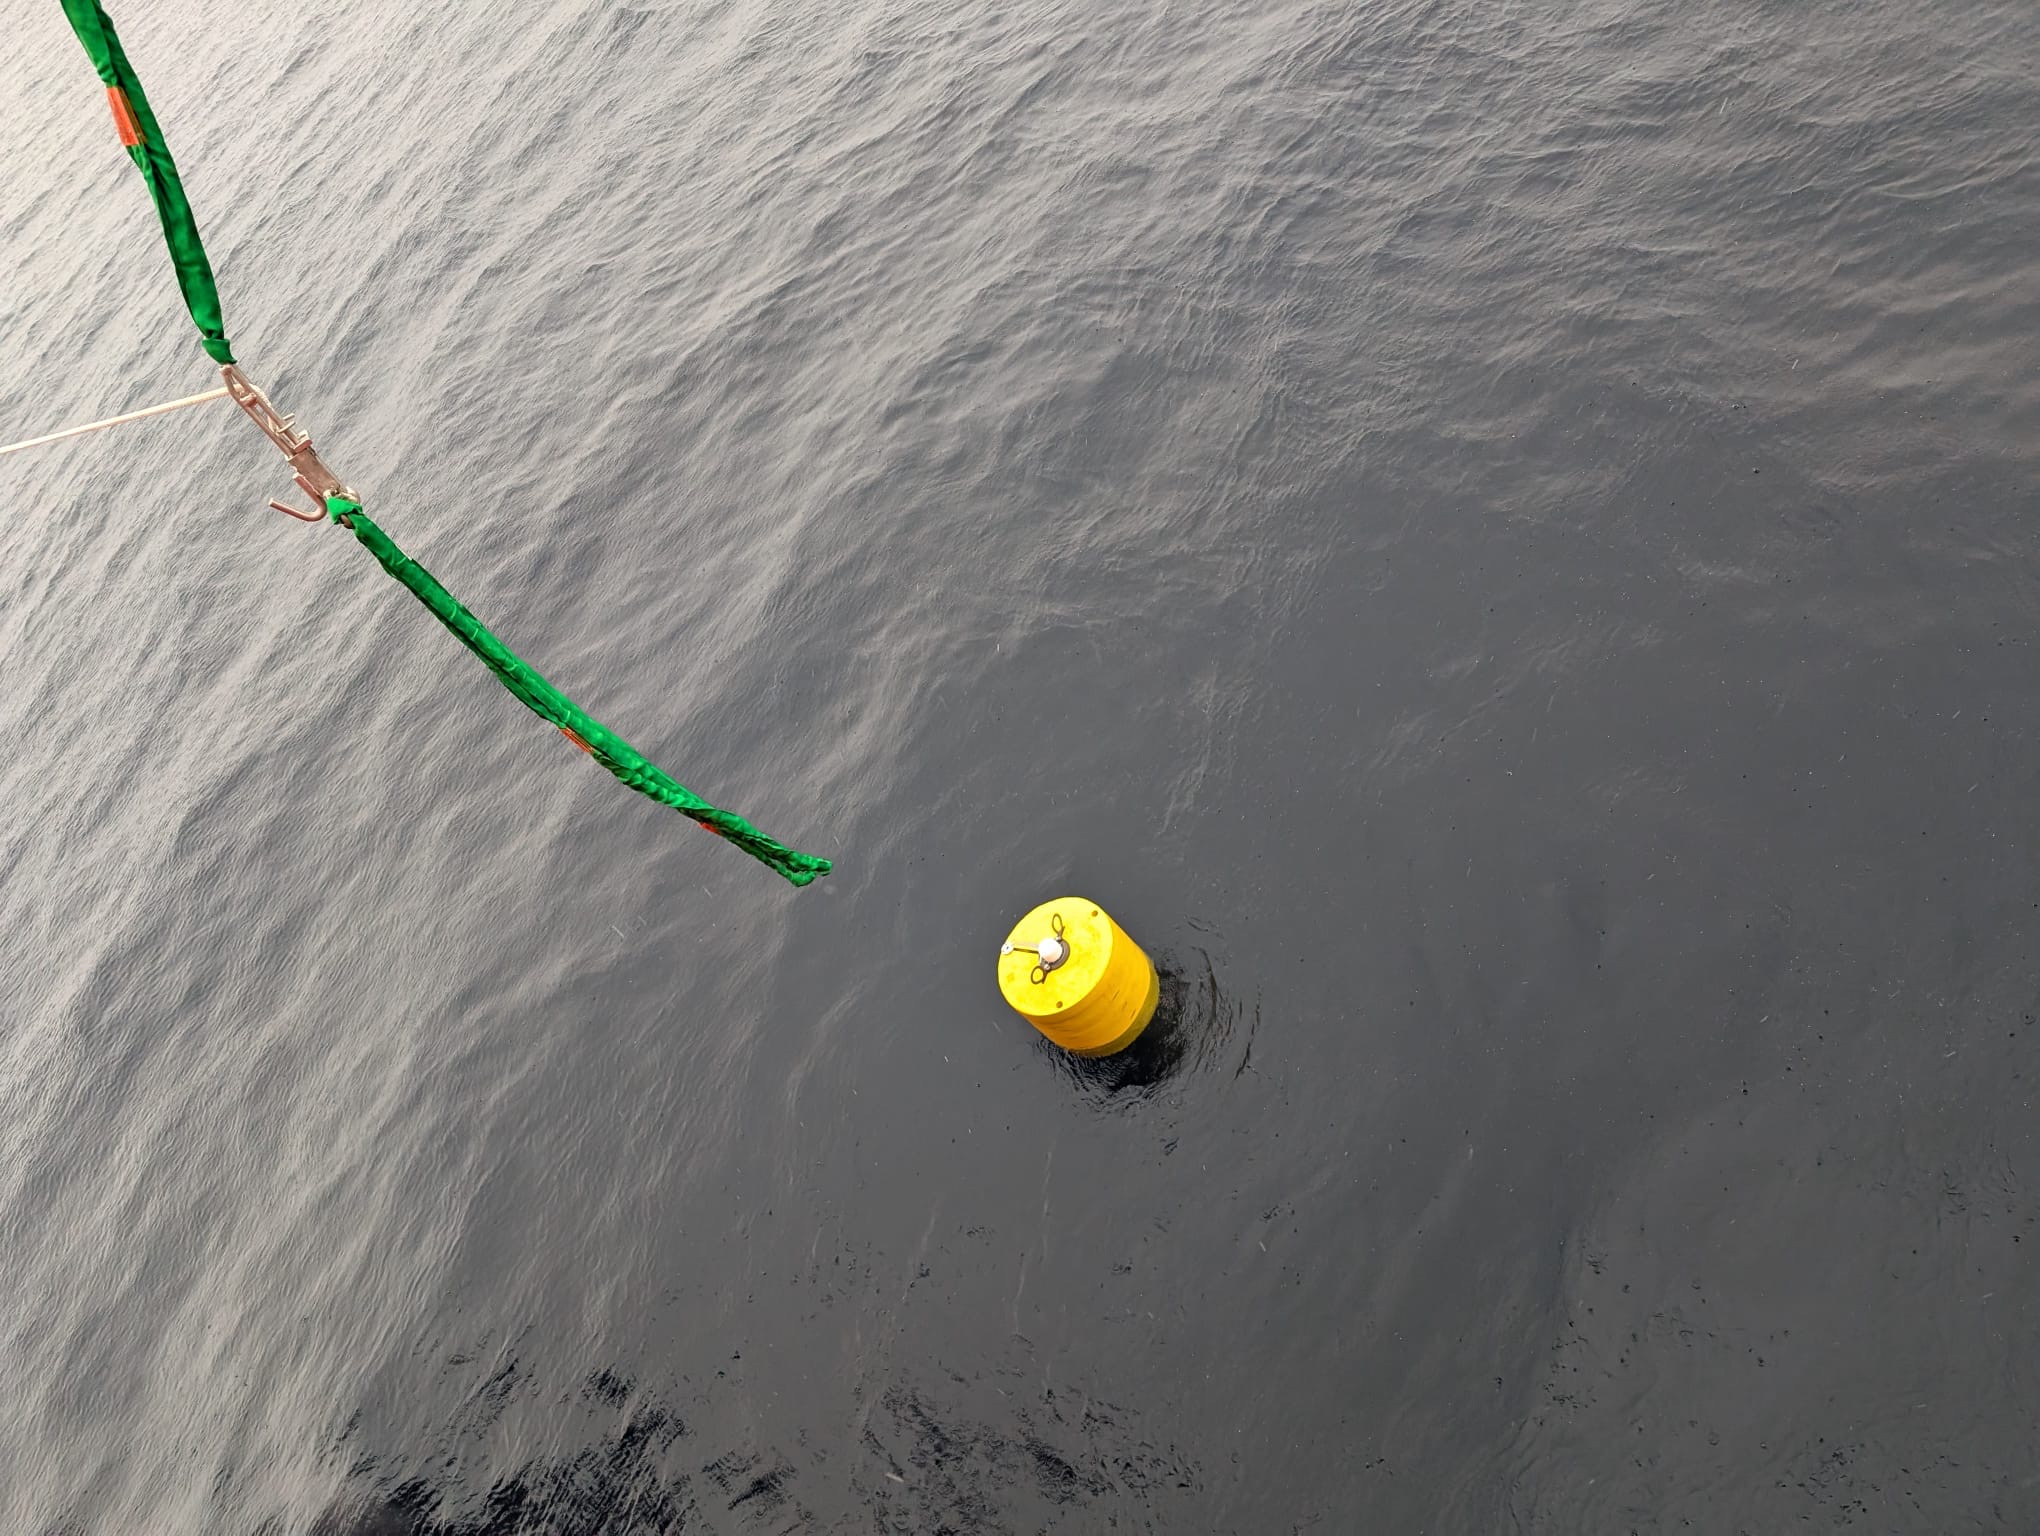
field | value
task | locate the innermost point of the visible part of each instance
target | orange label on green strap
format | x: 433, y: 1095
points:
x: 124, y: 117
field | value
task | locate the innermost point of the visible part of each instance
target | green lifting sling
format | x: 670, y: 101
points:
x: 151, y: 155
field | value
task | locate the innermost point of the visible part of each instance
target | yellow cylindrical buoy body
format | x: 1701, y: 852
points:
x: 1072, y: 973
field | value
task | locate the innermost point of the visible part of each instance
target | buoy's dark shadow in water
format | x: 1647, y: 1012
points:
x: 1196, y: 1028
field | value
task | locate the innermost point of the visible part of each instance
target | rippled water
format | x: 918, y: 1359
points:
x: 1498, y: 540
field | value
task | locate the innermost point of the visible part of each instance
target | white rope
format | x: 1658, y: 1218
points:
x: 114, y: 421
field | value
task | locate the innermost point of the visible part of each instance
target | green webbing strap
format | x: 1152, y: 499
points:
x: 146, y: 147
x: 549, y: 704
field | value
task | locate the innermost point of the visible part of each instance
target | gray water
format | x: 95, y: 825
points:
x: 1498, y: 540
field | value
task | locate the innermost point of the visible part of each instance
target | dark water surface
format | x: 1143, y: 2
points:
x: 1499, y: 540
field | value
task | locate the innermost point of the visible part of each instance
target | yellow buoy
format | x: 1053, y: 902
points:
x: 1072, y: 973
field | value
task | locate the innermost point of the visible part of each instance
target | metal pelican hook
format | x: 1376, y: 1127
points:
x: 307, y: 468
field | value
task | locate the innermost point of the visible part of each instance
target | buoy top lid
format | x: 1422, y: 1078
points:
x: 1084, y: 939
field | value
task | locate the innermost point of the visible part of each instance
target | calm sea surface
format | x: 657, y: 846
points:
x: 1502, y: 541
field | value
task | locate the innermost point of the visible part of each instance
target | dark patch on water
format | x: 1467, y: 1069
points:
x: 928, y: 1467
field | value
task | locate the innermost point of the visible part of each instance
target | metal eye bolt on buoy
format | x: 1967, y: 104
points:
x: 1069, y: 970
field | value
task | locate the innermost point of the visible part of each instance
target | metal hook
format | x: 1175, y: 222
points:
x: 306, y: 467
x: 304, y: 517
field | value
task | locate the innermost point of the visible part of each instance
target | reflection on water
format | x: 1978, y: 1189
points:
x: 1197, y: 1027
